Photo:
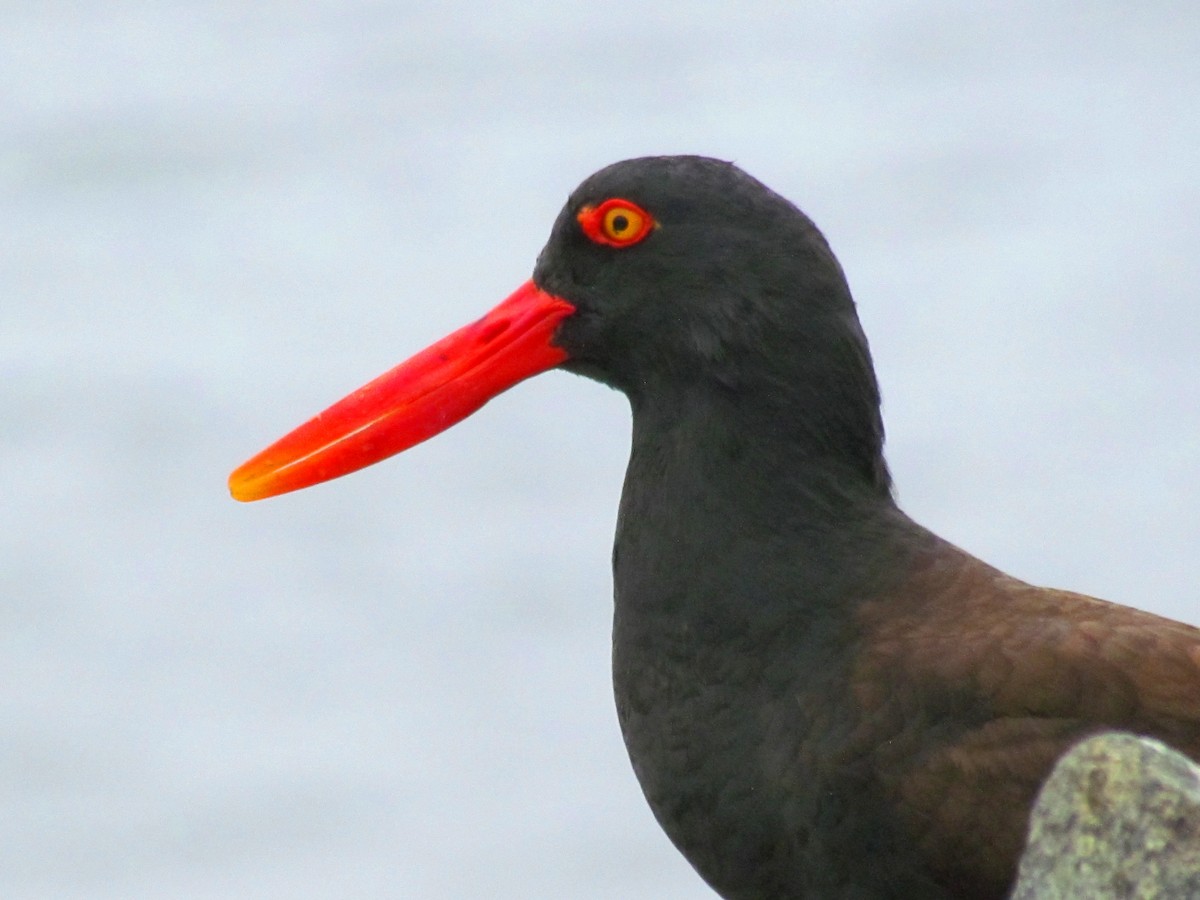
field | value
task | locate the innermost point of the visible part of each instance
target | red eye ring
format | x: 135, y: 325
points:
x: 616, y: 222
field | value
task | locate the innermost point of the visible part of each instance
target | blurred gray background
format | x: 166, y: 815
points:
x: 216, y: 218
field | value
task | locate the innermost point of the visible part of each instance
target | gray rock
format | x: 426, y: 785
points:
x: 1119, y: 817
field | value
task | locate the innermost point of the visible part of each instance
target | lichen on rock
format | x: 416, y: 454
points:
x: 1119, y: 817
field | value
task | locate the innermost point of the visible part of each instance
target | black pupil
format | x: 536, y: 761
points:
x: 619, y: 224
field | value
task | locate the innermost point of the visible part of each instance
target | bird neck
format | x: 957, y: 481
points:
x: 718, y: 504
x: 729, y: 541
x: 765, y: 458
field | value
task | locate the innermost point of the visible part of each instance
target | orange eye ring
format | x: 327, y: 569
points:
x: 616, y: 222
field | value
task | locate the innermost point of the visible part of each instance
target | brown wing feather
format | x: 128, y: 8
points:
x: 993, y: 680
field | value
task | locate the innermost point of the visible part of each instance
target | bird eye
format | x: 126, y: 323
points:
x: 616, y: 222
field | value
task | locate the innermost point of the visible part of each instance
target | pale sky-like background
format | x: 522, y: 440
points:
x: 216, y: 218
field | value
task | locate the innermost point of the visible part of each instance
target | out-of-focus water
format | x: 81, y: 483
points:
x: 216, y: 218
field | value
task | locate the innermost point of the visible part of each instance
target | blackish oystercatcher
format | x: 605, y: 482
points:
x: 820, y: 698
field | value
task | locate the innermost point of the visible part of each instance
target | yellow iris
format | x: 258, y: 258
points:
x: 622, y: 222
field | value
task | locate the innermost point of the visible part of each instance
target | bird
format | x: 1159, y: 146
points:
x: 820, y: 697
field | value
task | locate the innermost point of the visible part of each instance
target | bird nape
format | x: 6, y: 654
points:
x: 820, y: 698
